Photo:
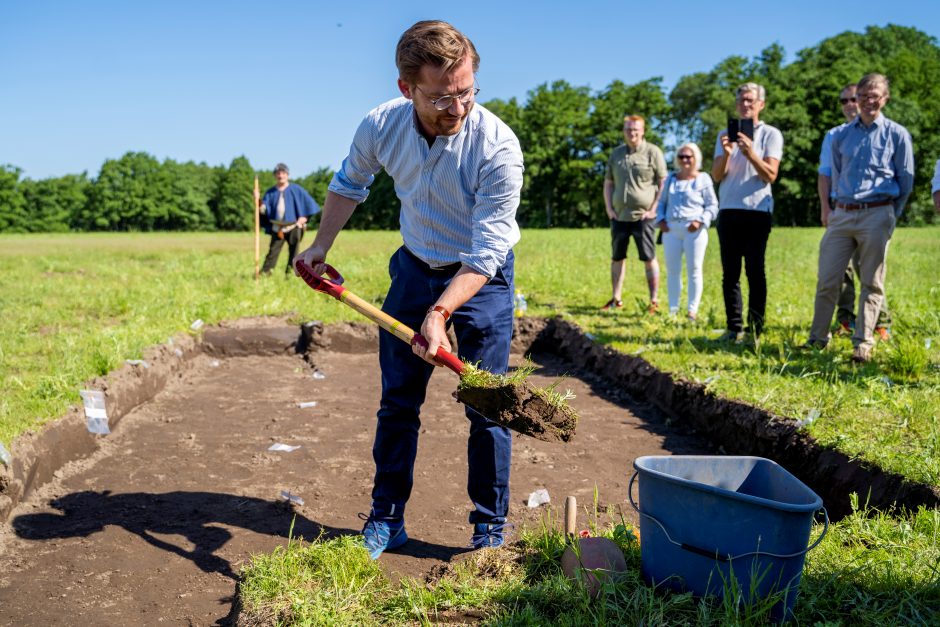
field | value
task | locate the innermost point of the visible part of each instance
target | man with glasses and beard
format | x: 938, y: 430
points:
x: 845, y: 312
x: 458, y: 173
x: 872, y: 177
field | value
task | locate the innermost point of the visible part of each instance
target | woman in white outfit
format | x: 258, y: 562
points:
x: 686, y: 209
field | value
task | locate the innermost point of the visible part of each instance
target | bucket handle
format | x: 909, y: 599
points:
x: 714, y: 554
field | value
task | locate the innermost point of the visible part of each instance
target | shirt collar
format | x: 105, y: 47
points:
x: 876, y: 123
x: 639, y: 147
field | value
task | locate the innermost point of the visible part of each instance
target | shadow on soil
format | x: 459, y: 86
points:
x: 200, y: 517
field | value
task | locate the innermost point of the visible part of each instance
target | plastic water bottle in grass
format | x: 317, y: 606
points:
x: 520, y: 305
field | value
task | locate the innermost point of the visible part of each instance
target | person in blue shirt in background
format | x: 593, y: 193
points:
x: 458, y: 173
x: 872, y: 177
x: 285, y: 209
x: 845, y: 311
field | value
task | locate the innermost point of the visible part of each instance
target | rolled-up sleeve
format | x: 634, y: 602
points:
x: 359, y: 168
x: 495, y: 230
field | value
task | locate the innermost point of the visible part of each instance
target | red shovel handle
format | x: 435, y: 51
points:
x: 443, y: 357
x: 331, y: 285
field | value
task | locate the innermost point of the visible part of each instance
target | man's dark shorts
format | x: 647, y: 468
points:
x: 642, y: 233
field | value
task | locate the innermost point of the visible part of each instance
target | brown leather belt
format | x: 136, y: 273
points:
x: 855, y: 206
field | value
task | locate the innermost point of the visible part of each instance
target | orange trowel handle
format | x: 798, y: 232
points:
x: 333, y: 286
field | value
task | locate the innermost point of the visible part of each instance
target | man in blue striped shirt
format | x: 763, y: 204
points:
x: 872, y: 176
x: 458, y: 173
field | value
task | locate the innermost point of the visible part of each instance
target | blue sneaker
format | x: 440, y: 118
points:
x: 488, y: 535
x: 382, y: 533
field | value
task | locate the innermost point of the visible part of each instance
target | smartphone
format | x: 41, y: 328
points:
x: 732, y: 129
x: 746, y: 127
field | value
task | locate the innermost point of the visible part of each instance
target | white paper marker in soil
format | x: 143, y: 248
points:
x: 318, y: 375
x: 291, y: 498
x: 95, y: 413
x: 5, y: 456
x: 307, y: 404
x: 196, y: 325
x: 136, y: 362
x: 287, y: 448
x: 539, y: 497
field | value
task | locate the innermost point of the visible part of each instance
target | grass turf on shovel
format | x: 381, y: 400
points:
x: 506, y: 400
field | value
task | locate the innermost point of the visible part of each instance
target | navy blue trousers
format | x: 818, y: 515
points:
x: 483, y: 326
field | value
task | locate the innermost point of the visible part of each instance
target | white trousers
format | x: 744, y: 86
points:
x: 677, y: 241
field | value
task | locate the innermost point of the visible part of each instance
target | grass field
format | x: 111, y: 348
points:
x: 77, y: 306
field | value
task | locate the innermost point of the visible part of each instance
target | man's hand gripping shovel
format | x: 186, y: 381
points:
x: 512, y: 405
x: 332, y: 284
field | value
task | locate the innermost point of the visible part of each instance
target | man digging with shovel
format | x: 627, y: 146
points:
x: 458, y: 173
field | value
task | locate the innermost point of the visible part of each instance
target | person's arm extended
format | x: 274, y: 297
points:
x: 904, y: 172
x: 609, y: 199
x: 824, y: 188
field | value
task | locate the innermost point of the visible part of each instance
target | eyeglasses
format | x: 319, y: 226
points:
x: 848, y: 100
x: 870, y: 97
x: 446, y: 101
x: 686, y: 157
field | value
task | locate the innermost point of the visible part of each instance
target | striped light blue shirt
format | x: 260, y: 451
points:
x: 458, y: 196
x: 872, y: 164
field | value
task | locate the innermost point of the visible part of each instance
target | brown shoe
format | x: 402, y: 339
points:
x: 861, y: 355
x: 653, y: 308
x: 613, y: 303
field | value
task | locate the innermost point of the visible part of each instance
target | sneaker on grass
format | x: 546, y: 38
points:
x: 613, y: 303
x: 861, y: 355
x: 382, y: 533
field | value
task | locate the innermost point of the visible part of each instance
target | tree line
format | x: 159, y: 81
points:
x: 566, y: 133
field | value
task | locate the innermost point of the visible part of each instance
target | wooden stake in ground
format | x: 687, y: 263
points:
x: 257, y: 197
x: 506, y: 400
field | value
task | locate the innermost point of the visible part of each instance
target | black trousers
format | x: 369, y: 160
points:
x: 743, y: 234
x: 292, y: 238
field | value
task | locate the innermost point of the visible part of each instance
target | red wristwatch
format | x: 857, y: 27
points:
x: 441, y: 311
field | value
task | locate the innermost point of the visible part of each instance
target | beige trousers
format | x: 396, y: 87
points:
x: 866, y: 231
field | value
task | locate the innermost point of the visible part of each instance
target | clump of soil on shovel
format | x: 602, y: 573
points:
x: 509, y: 401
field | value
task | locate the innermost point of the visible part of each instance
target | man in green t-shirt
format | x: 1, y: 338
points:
x: 635, y: 174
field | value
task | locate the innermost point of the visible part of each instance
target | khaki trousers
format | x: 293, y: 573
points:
x: 867, y: 232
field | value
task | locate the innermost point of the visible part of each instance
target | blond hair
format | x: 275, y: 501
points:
x: 435, y: 43
x: 696, y: 154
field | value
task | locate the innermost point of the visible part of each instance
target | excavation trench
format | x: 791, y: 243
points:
x: 153, y: 521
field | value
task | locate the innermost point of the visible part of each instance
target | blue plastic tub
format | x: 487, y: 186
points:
x: 716, y: 524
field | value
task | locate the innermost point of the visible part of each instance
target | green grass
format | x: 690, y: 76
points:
x: 77, y: 306
x: 870, y: 569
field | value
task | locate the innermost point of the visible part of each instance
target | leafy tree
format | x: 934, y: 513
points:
x: 54, y: 203
x: 381, y: 210
x: 13, y: 216
x: 557, y: 146
x: 234, y: 204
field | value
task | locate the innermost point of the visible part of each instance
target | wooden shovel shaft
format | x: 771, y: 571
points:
x: 370, y: 311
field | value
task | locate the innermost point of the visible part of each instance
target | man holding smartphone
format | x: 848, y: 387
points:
x: 845, y: 311
x: 745, y: 166
x: 872, y: 175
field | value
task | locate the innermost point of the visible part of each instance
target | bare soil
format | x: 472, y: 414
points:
x: 151, y: 524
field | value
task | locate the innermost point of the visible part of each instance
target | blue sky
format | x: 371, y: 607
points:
x: 288, y: 81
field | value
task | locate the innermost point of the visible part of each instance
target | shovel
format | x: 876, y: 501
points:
x: 516, y: 407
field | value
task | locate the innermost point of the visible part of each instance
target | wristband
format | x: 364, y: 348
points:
x: 441, y: 311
